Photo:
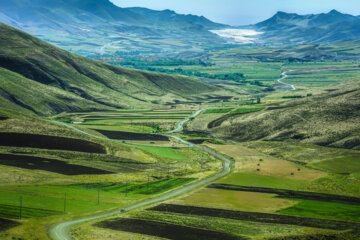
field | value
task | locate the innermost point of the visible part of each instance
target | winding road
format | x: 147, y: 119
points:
x: 62, y: 231
x: 284, y: 76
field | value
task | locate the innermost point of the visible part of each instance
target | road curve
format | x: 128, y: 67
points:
x: 180, y: 125
x: 284, y: 76
x: 61, y: 231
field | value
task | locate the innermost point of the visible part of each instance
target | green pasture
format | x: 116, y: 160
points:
x: 163, y: 152
x: 255, y: 180
x: 144, y: 188
x: 326, y: 210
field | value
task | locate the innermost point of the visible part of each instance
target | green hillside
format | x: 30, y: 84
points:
x: 46, y: 79
x: 330, y: 119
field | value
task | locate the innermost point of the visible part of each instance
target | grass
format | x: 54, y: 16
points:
x: 144, y: 188
x: 326, y: 210
x: 235, y: 200
x: 13, y: 212
x: 219, y: 110
x: 255, y: 180
x: 242, y: 229
x: 348, y: 164
x: 163, y: 152
x: 247, y: 110
x: 33, y: 201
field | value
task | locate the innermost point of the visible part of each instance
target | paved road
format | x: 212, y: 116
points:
x: 61, y: 231
x: 180, y: 125
x: 284, y: 76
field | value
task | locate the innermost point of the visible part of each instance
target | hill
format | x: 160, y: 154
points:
x: 315, y: 28
x: 99, y: 27
x: 44, y: 79
x: 330, y: 119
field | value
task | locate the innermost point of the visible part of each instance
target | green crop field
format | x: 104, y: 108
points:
x: 220, y: 110
x: 145, y: 188
x: 255, y: 180
x: 163, y: 152
x: 326, y: 210
x: 247, y: 110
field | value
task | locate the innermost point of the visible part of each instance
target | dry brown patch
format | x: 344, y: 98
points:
x: 248, y: 160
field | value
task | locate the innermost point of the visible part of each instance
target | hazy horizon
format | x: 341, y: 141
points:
x: 240, y: 12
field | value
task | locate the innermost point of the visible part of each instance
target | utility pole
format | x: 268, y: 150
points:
x: 20, y: 207
x: 64, y: 202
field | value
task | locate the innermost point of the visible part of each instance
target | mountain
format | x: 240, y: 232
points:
x: 330, y: 119
x: 172, y: 16
x: 98, y: 26
x: 313, y: 28
x: 43, y: 79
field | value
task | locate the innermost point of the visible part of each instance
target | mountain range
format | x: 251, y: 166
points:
x: 98, y: 26
x: 93, y: 27
x: 312, y: 28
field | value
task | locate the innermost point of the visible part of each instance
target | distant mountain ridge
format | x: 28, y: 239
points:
x: 98, y: 26
x: 171, y: 16
x: 315, y: 28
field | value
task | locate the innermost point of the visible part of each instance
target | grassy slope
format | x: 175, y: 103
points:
x: 330, y: 119
x: 91, y: 80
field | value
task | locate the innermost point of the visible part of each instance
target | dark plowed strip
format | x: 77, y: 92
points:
x: 258, y: 217
x: 50, y: 165
x: 7, y: 224
x: 198, y: 141
x: 164, y: 230
x: 132, y: 136
x: 49, y: 142
x: 290, y: 194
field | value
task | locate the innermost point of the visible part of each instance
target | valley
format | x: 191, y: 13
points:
x: 132, y: 123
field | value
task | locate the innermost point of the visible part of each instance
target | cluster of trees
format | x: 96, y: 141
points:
x: 237, y: 77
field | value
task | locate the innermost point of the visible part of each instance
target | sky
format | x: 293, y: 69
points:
x: 244, y: 12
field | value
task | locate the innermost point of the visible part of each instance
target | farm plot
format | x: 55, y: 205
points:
x: 45, y: 201
x: 290, y: 193
x: 13, y: 212
x: 7, y: 224
x: 132, y: 136
x: 324, y: 210
x: 219, y: 110
x: 321, y: 74
x: 46, y: 164
x: 145, y: 188
x: 164, y: 230
x: 258, y: 217
x: 49, y: 142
